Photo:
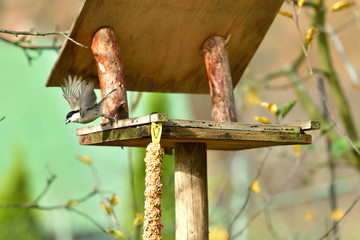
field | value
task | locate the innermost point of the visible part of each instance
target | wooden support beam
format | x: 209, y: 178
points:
x: 217, y: 64
x: 191, y: 199
x: 111, y: 73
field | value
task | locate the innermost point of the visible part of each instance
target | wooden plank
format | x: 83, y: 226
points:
x: 306, y: 125
x: 191, y: 197
x: 156, y: 117
x: 160, y: 41
x: 162, y: 117
x: 217, y: 139
x: 232, y: 126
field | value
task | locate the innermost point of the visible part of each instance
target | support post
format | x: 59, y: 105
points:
x: 216, y: 59
x: 191, y: 196
x: 111, y: 73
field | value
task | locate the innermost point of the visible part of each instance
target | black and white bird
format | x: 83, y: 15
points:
x: 82, y: 100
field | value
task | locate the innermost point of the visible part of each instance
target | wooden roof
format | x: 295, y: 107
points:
x: 160, y: 41
x: 136, y: 132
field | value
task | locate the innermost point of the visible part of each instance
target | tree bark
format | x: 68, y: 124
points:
x: 216, y: 59
x: 111, y: 73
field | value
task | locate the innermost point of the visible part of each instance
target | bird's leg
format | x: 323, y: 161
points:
x: 111, y: 118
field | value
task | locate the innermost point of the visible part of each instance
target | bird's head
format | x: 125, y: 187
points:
x: 73, y: 116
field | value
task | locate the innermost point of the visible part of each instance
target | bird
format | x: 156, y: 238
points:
x: 82, y: 100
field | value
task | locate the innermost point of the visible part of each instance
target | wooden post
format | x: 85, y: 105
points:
x: 111, y: 73
x: 191, y: 199
x: 217, y: 64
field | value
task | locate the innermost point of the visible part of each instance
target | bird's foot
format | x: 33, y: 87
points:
x: 111, y: 118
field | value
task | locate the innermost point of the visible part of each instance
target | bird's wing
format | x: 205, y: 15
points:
x: 71, y: 91
x: 87, y: 97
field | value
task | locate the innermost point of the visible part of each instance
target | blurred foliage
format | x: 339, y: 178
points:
x: 20, y: 224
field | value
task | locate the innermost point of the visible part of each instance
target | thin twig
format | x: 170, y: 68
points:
x: 25, y: 45
x: 269, y: 224
x: 249, y: 191
x: 80, y: 213
x: 278, y: 189
x: 116, y: 221
x: 67, y: 206
x: 31, y: 33
x: 341, y: 50
x: 332, y: 118
x: 41, y: 34
x: 112, y: 215
x: 331, y: 163
x: 220, y: 192
x: 2, y: 118
x: 337, y: 223
x: 50, y: 180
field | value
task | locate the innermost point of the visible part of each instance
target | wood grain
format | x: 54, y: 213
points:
x: 191, y: 198
x: 216, y: 135
x: 161, y: 40
x: 123, y: 123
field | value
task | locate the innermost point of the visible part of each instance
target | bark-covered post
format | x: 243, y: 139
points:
x: 217, y: 64
x: 111, y: 72
x: 191, y: 197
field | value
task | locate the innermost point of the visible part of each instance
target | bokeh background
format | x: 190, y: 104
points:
x: 35, y: 143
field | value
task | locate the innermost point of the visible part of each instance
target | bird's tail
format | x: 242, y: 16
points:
x: 108, y: 95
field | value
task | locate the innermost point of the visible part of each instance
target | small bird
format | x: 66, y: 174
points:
x: 82, y: 101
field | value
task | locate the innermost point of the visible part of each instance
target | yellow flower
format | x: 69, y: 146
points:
x: 263, y: 120
x: 301, y: 2
x: 85, y: 159
x: 337, y: 214
x: 341, y: 5
x: 114, y: 200
x: 297, y: 150
x: 310, y: 35
x: 308, y: 216
x: 218, y: 233
x: 286, y: 14
x: 255, y: 187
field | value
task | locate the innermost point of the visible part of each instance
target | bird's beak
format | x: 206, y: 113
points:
x: 67, y: 121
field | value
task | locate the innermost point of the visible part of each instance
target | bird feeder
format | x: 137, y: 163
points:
x: 174, y: 47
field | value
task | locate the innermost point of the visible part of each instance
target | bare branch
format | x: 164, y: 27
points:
x: 67, y: 206
x: 26, y: 45
x: 31, y: 33
x: 50, y: 180
x: 41, y: 34
x: 80, y: 213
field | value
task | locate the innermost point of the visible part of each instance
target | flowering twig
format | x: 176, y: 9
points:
x: 249, y: 190
x: 323, y: 98
x: 277, y: 190
x: 67, y: 206
x: 337, y: 222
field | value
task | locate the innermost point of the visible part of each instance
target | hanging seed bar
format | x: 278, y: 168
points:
x: 153, y: 190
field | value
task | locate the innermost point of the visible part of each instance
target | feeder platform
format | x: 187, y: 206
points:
x: 135, y: 132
